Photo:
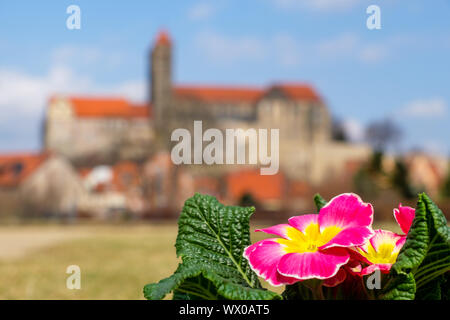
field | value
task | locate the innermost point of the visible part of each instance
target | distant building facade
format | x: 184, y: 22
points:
x: 38, y: 184
x: 99, y: 130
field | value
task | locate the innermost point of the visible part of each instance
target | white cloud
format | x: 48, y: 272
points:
x: 373, y: 53
x: 281, y: 48
x: 133, y: 90
x: 431, y: 108
x: 22, y: 101
x: 68, y: 53
x: 201, y: 11
x: 343, y: 44
x: 354, y: 130
x: 23, y: 98
x: 27, y: 93
x: 288, y: 50
x: 349, y: 45
x: 221, y: 48
x: 317, y: 5
x: 84, y: 57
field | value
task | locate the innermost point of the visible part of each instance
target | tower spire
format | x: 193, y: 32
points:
x: 161, y: 78
x: 163, y: 38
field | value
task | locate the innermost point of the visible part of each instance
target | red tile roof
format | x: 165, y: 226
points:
x: 140, y: 111
x: 163, y: 38
x: 15, y: 168
x: 90, y: 107
x: 244, y: 94
x: 261, y: 187
x: 84, y: 172
x: 218, y: 94
x: 298, y: 91
x: 298, y: 188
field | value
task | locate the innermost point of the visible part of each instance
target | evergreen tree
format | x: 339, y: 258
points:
x: 445, y: 189
x: 400, y: 180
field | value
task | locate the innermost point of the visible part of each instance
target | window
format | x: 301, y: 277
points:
x: 17, y: 168
x: 316, y: 115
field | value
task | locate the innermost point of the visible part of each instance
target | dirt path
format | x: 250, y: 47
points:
x: 16, y: 242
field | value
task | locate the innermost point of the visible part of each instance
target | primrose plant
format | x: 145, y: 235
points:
x: 328, y: 255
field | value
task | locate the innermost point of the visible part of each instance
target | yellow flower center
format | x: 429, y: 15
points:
x: 384, y: 254
x: 309, y: 240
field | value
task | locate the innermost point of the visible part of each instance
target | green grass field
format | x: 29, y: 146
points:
x: 115, y: 261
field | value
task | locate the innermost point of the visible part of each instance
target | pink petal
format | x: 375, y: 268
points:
x: 349, y: 237
x: 263, y: 257
x: 400, y: 243
x: 356, y: 255
x: 348, y: 212
x: 383, y: 257
x: 251, y: 248
x: 320, y: 264
x: 404, y: 217
x: 384, y: 236
x: 278, y: 230
x: 337, y: 279
x: 383, y: 267
x: 303, y: 221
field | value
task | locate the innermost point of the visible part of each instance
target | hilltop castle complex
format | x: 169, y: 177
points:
x: 98, y: 130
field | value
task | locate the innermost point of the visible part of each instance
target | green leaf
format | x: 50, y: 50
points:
x: 416, y: 245
x: 156, y: 291
x: 400, y: 287
x: 297, y: 291
x: 425, y: 256
x: 197, y: 288
x: 319, y: 201
x: 430, y: 275
x: 445, y: 287
x: 211, y: 241
x: 431, y: 290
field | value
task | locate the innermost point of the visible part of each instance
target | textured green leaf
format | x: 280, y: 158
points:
x: 431, y: 290
x: 156, y: 291
x: 430, y: 275
x: 416, y: 245
x: 401, y: 287
x: 445, y: 287
x: 197, y: 288
x: 425, y: 255
x: 297, y: 291
x: 211, y: 241
x: 319, y: 201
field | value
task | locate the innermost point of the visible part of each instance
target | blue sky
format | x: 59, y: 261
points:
x: 401, y: 71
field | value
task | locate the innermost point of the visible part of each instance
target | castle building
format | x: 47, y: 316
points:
x: 90, y: 130
x: 97, y: 129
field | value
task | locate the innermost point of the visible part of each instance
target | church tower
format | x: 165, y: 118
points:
x: 161, y: 78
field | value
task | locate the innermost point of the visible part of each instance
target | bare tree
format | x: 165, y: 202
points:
x: 380, y: 134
